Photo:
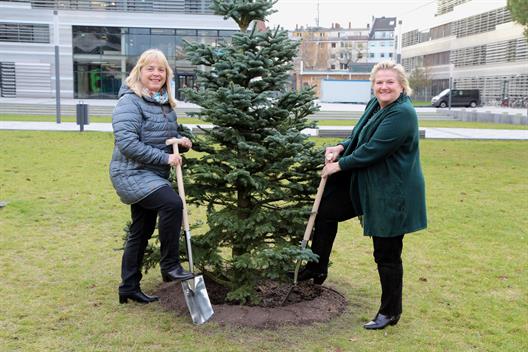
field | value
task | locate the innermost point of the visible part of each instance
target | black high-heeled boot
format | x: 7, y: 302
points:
x: 138, y: 297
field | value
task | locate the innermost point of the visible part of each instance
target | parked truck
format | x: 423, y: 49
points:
x: 345, y: 91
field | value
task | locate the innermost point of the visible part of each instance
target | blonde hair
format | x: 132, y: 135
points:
x: 398, y: 69
x: 133, y: 80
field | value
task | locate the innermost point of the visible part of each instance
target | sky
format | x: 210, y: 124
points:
x: 304, y: 12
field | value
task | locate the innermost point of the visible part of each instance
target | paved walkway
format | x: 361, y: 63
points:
x: 185, y: 105
x: 430, y: 132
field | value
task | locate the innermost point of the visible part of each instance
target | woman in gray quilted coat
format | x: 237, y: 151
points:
x: 142, y: 121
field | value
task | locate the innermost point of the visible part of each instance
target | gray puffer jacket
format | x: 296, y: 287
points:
x: 140, y: 160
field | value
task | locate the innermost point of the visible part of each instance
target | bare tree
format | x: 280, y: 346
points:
x: 421, y: 82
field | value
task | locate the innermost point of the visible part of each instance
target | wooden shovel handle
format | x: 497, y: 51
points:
x: 179, y: 180
x: 313, y: 214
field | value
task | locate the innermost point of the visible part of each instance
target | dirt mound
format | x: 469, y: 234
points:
x: 306, y: 304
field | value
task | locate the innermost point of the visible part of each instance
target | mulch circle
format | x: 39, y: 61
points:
x: 306, y: 304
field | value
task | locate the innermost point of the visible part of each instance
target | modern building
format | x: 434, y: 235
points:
x: 381, y: 41
x: 475, y: 44
x: 97, y: 42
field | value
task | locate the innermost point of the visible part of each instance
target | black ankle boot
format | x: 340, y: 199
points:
x: 307, y: 274
x: 177, y: 274
x: 137, y: 296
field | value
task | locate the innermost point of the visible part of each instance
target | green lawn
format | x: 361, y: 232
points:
x: 465, y: 284
x: 329, y: 122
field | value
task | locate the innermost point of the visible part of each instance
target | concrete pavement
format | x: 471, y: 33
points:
x: 326, y: 131
x: 333, y: 111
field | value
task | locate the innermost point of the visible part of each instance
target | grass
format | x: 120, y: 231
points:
x: 465, y: 284
x: 327, y: 122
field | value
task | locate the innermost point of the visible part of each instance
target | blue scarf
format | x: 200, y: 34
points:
x: 161, y: 97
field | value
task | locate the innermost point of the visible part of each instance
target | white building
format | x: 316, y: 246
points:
x: 474, y: 42
x: 98, y: 42
x: 381, y: 44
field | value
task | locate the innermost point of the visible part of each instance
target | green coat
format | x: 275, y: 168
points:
x: 382, y: 154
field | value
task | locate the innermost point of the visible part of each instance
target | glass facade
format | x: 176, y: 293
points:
x: 156, y: 6
x: 103, y: 56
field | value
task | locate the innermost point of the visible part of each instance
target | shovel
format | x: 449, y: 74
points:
x: 307, y: 233
x: 194, y: 289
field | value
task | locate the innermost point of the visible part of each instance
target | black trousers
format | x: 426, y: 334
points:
x: 335, y: 207
x: 166, y: 204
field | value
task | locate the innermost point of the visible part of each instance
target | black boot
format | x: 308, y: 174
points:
x: 137, y: 296
x: 177, y: 274
x: 307, y: 274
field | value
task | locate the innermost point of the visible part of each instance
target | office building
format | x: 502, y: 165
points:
x: 476, y: 44
x: 98, y: 42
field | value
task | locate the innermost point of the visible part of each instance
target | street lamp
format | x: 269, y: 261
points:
x: 57, y: 66
x: 450, y: 85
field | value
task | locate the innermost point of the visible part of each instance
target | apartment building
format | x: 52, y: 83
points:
x: 381, y: 41
x: 342, y: 53
x: 97, y: 42
x: 474, y: 43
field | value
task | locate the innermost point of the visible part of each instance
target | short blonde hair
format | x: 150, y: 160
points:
x: 133, y: 80
x: 398, y: 69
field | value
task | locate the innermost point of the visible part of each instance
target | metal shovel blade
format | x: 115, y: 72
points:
x: 197, y: 299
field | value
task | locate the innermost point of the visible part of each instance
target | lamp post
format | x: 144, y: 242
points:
x: 57, y: 66
x: 450, y: 85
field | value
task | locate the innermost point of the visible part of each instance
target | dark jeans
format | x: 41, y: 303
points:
x: 166, y: 203
x: 336, y: 207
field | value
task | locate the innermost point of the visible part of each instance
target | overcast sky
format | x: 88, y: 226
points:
x: 304, y: 12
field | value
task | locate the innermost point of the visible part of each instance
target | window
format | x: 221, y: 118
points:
x: 484, y: 22
x: 7, y: 79
x: 157, y: 6
x: 24, y: 33
x: 332, y: 67
x: 99, y: 53
x: 97, y: 40
x: 371, y: 55
x: 333, y: 45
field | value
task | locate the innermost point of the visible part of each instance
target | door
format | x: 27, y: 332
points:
x: 184, y: 80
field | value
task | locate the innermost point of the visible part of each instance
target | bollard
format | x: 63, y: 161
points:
x: 82, y: 115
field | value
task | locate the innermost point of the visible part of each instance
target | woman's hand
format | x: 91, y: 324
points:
x: 330, y: 168
x: 331, y: 153
x: 175, y: 159
x: 185, y: 142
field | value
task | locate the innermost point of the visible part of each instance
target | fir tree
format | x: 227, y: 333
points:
x: 257, y: 172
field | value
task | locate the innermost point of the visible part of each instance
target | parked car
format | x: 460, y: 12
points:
x: 459, y: 97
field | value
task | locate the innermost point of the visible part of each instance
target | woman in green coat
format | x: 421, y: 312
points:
x: 375, y: 174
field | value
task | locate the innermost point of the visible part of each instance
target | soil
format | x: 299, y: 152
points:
x: 306, y: 304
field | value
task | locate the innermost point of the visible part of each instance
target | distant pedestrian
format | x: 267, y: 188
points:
x: 376, y: 174
x: 143, y: 120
